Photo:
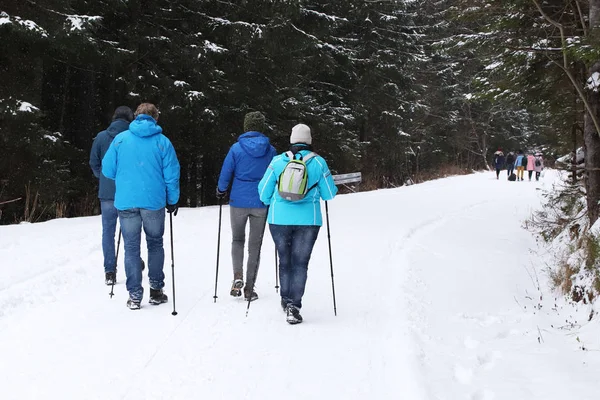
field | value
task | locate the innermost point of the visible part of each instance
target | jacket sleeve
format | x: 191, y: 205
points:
x: 109, y: 162
x: 266, y: 186
x: 171, y: 173
x: 227, y: 171
x: 95, y: 160
x: 326, y: 184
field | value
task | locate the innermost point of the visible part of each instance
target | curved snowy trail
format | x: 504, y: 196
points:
x: 426, y: 280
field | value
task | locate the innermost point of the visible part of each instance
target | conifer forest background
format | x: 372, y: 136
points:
x: 402, y: 91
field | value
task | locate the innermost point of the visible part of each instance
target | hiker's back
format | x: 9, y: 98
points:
x: 305, y: 211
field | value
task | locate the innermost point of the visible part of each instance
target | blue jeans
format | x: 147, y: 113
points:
x: 153, y: 222
x: 294, y: 245
x: 109, y: 226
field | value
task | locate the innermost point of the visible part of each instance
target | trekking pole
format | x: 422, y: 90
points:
x: 276, y: 273
x: 330, y: 258
x: 172, y: 261
x: 116, y: 259
x: 218, y: 249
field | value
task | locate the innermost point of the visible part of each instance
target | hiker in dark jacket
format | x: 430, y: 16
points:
x: 498, y: 162
x: 106, y: 192
x: 510, y: 163
x: 242, y: 169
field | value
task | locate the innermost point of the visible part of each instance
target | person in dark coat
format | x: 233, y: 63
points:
x: 242, y: 169
x: 498, y: 162
x: 510, y: 163
x: 106, y: 191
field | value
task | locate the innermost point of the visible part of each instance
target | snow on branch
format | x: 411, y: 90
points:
x: 79, y: 22
x: 194, y: 95
x: 257, y: 28
x: 27, y: 24
x: 593, y: 82
x: 318, y: 14
x: 213, y: 47
x: 320, y: 44
x: 26, y: 107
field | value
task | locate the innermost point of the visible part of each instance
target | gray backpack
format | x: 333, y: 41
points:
x: 292, y: 183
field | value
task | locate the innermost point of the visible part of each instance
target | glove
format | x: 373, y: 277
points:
x: 172, y: 209
x: 221, y: 195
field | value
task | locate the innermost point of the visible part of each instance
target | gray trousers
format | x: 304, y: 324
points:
x: 258, y: 219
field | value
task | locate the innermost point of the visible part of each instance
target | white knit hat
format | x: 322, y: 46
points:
x: 300, y: 134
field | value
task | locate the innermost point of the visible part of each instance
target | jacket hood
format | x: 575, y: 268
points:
x: 117, y: 126
x: 254, y: 143
x: 144, y: 125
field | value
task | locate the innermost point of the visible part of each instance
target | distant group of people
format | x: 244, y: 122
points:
x: 532, y: 162
x: 139, y: 173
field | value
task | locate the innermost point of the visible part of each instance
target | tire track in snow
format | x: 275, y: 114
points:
x: 413, y: 286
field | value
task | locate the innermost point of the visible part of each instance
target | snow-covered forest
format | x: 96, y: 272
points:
x: 400, y: 90
x: 493, y: 283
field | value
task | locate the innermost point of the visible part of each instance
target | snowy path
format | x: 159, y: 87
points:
x: 431, y: 281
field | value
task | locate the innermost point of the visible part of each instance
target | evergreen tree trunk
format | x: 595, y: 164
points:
x: 590, y: 135
x: 592, y: 150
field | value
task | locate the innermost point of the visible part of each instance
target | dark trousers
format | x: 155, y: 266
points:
x: 294, y: 245
x: 510, y: 168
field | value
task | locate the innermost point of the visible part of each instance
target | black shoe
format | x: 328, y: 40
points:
x: 284, y: 305
x: 133, y: 304
x: 110, y: 278
x: 236, y: 288
x: 143, y: 265
x: 253, y: 296
x: 157, y: 296
x: 293, y: 315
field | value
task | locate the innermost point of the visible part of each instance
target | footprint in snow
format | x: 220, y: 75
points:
x: 487, y: 360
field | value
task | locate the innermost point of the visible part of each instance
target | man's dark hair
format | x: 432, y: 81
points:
x: 123, y: 112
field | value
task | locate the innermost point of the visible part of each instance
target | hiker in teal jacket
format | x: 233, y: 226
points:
x: 295, y: 225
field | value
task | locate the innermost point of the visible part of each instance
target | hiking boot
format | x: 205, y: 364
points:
x: 236, y: 288
x: 110, y: 278
x: 250, y: 296
x: 133, y: 304
x: 293, y: 315
x: 157, y: 296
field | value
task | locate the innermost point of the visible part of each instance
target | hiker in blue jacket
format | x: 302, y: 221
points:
x: 106, y: 191
x: 520, y: 164
x: 295, y: 225
x: 145, y: 168
x: 244, y: 166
